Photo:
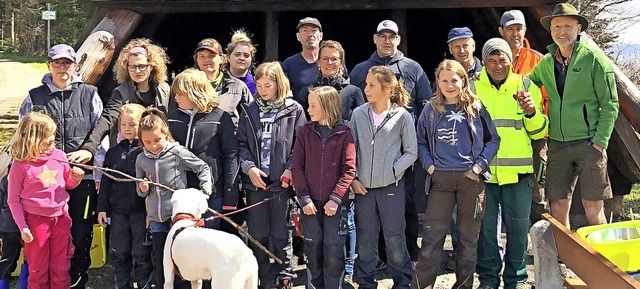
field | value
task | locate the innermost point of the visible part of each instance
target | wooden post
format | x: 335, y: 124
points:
x: 271, y: 35
x: 593, y: 268
x: 96, y: 53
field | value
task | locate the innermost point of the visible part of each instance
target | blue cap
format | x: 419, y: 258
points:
x: 458, y: 33
x: 61, y: 51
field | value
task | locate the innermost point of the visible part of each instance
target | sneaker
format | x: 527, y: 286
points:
x: 348, y: 282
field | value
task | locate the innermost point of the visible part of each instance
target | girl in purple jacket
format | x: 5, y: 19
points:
x: 38, y: 182
x: 323, y: 168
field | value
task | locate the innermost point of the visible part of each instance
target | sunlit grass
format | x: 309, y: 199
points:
x: 38, y: 62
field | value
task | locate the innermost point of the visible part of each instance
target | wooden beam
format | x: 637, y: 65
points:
x: 98, y: 49
x: 399, y: 16
x: 191, y: 6
x: 271, y: 35
x: 593, y: 268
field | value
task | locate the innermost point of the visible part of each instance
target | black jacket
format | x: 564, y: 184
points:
x: 289, y: 118
x: 121, y: 95
x: 350, y: 95
x: 120, y: 197
x: 211, y: 137
x: 7, y: 224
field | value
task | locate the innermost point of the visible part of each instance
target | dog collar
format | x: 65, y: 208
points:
x: 187, y: 216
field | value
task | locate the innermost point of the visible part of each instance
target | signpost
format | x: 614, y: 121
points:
x: 48, y: 15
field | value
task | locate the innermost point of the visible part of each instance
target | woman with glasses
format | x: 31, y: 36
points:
x: 141, y: 71
x: 331, y: 65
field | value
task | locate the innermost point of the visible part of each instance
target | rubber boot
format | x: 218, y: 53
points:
x: 4, y: 283
x: 24, y: 276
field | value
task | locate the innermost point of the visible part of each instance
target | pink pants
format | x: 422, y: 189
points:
x: 49, y: 254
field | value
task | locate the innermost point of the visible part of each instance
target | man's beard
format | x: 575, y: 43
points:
x: 311, y: 44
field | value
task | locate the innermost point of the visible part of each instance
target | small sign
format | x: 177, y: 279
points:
x: 48, y: 15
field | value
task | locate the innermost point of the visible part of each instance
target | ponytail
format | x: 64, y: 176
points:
x: 388, y: 79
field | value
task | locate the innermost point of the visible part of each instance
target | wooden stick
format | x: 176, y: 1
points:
x: 128, y: 178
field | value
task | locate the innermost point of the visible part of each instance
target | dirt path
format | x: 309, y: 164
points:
x: 16, y: 79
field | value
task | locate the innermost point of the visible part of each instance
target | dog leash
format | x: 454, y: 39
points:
x: 247, y: 207
x: 128, y: 178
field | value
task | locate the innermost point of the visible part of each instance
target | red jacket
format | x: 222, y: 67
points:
x: 528, y: 59
x: 323, y: 171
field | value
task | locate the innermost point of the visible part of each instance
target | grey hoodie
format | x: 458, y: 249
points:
x: 169, y: 167
x: 384, y: 154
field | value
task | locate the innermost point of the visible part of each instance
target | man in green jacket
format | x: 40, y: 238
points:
x: 583, y: 106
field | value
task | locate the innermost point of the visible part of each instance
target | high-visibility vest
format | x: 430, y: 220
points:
x: 516, y: 131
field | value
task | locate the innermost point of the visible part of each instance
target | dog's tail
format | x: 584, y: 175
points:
x: 252, y: 274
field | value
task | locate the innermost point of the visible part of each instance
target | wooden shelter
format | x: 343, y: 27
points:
x: 179, y: 25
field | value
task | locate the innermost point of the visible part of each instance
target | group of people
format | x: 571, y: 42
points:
x: 348, y: 149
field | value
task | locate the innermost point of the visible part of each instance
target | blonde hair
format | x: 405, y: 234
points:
x: 132, y: 109
x: 467, y: 99
x: 330, y: 103
x: 389, y: 81
x: 32, y: 131
x: 273, y: 71
x: 156, y: 56
x: 153, y: 118
x: 241, y: 37
x: 194, y: 84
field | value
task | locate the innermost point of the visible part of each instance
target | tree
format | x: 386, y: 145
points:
x: 607, y: 18
x: 30, y: 29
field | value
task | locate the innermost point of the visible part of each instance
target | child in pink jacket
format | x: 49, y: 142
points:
x: 37, y: 196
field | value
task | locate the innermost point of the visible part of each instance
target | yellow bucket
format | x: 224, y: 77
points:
x: 618, y: 242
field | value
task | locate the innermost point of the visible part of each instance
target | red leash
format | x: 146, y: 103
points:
x: 247, y: 207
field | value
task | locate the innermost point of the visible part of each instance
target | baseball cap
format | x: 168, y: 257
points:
x: 387, y: 25
x: 209, y: 44
x: 459, y: 33
x: 309, y: 21
x: 61, y: 51
x: 512, y: 17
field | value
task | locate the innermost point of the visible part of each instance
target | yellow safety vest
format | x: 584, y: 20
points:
x: 515, y: 130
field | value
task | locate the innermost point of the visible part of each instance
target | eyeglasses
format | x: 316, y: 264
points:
x: 61, y: 64
x: 330, y: 60
x: 141, y: 67
x: 391, y: 38
x: 562, y: 27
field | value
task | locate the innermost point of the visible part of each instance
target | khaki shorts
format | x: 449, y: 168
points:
x: 576, y: 164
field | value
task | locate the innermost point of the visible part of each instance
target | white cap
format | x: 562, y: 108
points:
x: 387, y: 25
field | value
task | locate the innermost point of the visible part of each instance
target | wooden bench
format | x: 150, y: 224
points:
x: 553, y: 241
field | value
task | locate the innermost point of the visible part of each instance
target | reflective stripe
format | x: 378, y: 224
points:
x: 517, y: 124
x: 537, y: 131
x: 512, y: 162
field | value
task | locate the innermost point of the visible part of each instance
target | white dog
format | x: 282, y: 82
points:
x: 201, y: 253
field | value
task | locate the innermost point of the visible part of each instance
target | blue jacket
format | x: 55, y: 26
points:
x: 415, y: 80
x: 485, y: 139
